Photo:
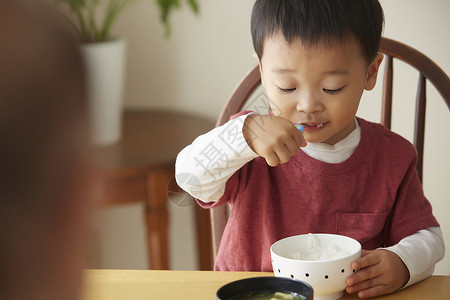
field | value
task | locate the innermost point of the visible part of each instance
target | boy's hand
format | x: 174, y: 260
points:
x: 380, y: 272
x: 274, y: 138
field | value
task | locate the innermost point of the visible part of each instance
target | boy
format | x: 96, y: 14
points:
x: 352, y: 177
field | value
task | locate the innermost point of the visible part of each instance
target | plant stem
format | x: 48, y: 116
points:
x: 83, y: 28
x: 113, y: 10
x: 86, y: 11
x: 91, y: 11
x: 73, y: 26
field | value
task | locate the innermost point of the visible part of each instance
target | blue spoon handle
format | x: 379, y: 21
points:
x: 300, y: 127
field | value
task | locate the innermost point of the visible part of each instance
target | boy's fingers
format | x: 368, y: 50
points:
x: 283, y: 154
x: 299, y: 138
x: 364, y: 285
x: 366, y: 274
x: 372, y: 292
x: 272, y: 159
x: 367, y: 259
x: 287, y: 150
x: 292, y: 147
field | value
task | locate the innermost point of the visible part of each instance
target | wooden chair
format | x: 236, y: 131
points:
x: 243, y: 97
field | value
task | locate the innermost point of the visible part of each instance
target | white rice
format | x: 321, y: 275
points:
x: 314, y: 251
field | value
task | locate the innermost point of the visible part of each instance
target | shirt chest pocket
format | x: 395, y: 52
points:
x: 367, y: 228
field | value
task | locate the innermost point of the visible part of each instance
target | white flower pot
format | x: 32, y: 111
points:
x: 105, y: 66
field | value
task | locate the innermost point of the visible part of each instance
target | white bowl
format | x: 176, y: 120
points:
x: 327, y: 276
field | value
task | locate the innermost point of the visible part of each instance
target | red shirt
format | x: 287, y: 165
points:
x: 374, y: 196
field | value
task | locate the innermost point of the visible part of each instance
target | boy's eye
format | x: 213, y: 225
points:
x: 286, y: 91
x: 333, y: 92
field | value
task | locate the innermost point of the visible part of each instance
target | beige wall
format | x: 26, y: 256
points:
x: 197, y: 68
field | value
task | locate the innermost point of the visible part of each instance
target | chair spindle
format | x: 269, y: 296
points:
x: 387, y: 93
x: 419, y: 126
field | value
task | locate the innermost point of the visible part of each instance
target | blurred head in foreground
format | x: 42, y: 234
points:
x: 45, y: 183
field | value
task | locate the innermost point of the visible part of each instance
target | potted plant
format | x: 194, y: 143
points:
x: 92, y: 30
x: 104, y: 55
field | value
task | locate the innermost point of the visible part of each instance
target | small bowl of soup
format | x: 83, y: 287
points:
x: 265, y: 288
x: 321, y: 260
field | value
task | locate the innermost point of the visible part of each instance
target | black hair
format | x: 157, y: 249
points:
x: 315, y: 21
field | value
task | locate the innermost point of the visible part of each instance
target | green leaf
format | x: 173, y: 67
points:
x: 194, y: 6
x: 166, y: 7
x: 74, y: 4
x: 93, y: 30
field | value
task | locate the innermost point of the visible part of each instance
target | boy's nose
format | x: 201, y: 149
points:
x: 309, y: 104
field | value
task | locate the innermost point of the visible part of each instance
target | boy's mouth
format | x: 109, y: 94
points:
x: 318, y: 125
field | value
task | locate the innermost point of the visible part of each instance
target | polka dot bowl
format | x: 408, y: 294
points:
x: 327, y: 276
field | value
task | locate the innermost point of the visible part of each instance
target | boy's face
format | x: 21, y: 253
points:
x: 318, y: 87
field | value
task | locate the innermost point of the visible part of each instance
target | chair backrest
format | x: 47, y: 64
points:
x: 244, y: 96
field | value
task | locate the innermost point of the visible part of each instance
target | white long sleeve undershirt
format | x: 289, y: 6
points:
x: 203, y: 168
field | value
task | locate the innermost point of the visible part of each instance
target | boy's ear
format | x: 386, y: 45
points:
x: 255, y: 55
x: 372, y: 71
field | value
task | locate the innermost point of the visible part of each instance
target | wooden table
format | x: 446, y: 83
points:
x: 140, y: 168
x: 199, y: 285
